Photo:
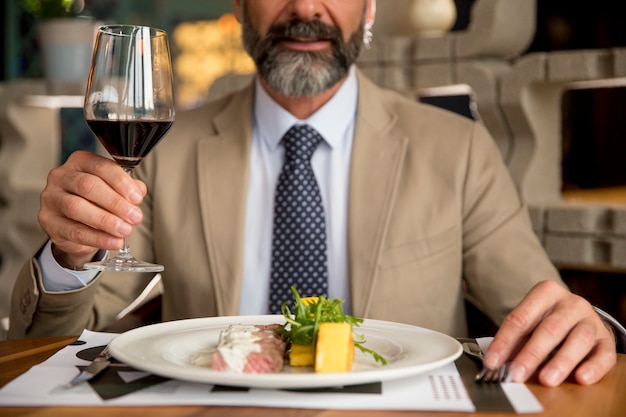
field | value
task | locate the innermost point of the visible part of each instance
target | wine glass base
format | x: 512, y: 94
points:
x: 124, y: 265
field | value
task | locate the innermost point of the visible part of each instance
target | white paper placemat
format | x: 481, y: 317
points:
x: 42, y: 385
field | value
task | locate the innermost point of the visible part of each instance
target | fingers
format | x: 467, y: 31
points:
x: 519, y: 324
x: 90, y: 202
x: 585, y: 346
x: 104, y: 169
x: 88, y: 199
x: 556, y: 331
x: 90, y: 227
x: 602, y: 359
x: 564, y: 326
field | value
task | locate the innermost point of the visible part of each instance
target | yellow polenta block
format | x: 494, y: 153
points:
x: 301, y: 355
x: 334, y: 351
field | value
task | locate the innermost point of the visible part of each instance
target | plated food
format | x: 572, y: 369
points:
x: 317, y: 334
x: 165, y: 349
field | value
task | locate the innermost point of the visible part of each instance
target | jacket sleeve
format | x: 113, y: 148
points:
x: 502, y: 256
x: 36, y: 312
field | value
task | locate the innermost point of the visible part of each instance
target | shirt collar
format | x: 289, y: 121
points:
x: 331, y: 120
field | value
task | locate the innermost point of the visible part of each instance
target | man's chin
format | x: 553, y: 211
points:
x: 303, y: 83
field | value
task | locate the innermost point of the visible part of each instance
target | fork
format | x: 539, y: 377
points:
x: 502, y: 374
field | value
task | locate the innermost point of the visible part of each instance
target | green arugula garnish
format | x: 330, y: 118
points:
x: 302, y: 325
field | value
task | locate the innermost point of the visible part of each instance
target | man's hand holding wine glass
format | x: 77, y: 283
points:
x: 89, y: 203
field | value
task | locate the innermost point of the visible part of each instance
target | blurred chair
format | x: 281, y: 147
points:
x: 458, y: 98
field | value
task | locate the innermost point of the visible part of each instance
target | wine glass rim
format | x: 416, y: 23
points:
x: 122, y: 29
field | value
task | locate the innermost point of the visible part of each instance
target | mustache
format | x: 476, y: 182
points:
x: 303, y: 30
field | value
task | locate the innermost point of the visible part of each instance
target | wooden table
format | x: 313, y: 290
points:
x: 607, y: 398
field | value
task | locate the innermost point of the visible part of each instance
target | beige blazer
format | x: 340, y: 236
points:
x: 430, y: 203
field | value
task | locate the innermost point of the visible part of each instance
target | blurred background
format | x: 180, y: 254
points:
x: 205, y: 45
x: 205, y: 36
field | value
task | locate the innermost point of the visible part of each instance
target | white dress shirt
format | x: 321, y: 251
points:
x: 331, y: 165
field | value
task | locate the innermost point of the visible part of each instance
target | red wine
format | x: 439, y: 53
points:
x: 129, y: 141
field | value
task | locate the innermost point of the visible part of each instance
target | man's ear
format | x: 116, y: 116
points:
x: 370, y: 13
x: 238, y: 10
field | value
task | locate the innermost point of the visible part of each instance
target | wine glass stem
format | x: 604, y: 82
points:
x: 124, y: 252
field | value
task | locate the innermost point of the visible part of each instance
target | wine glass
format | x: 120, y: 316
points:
x: 129, y: 106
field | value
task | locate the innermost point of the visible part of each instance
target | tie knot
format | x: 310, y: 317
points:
x: 300, y: 142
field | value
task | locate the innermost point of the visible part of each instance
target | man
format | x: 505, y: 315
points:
x: 415, y: 199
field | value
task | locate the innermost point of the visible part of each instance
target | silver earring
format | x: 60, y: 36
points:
x: 367, y: 37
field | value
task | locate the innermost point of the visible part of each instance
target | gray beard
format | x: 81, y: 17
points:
x: 297, y: 73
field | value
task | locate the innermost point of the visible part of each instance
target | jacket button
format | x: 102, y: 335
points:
x: 25, y: 302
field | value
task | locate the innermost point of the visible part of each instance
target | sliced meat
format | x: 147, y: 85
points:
x: 249, y: 349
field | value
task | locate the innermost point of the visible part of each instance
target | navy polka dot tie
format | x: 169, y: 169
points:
x: 299, y: 236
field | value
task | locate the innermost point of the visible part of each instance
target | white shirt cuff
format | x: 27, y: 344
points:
x: 59, y: 279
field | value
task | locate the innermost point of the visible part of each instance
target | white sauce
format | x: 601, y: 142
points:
x: 236, y: 343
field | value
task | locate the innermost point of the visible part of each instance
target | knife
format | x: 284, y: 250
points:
x: 99, y: 364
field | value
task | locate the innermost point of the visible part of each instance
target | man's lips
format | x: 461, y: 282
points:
x: 305, y: 44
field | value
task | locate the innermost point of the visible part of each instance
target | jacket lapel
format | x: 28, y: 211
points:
x: 223, y: 167
x: 377, y: 157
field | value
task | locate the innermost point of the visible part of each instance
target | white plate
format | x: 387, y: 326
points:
x: 165, y: 348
